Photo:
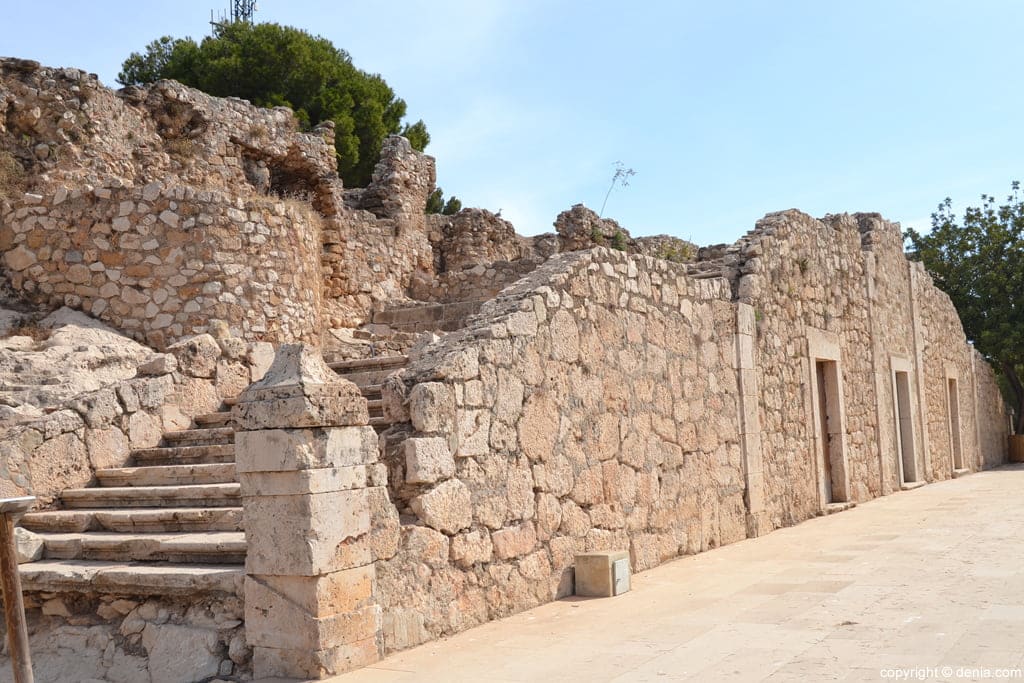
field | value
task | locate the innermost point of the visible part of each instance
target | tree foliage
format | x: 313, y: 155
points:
x: 437, y: 204
x: 979, y: 262
x: 272, y: 65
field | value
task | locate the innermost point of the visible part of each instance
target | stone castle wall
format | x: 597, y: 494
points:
x: 161, y: 263
x: 569, y: 418
x: 615, y: 401
x: 168, y: 177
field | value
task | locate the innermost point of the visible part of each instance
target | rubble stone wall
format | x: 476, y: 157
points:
x: 127, y: 639
x: 161, y: 263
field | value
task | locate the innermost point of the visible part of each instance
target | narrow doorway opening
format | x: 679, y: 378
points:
x: 953, y: 397
x: 829, y: 426
x: 905, y: 428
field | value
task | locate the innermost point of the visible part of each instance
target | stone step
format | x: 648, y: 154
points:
x: 206, y: 495
x: 225, y: 547
x: 366, y: 378
x: 119, y: 578
x: 343, y: 367
x: 213, y: 436
x: 180, y: 455
x: 371, y: 390
x: 218, y: 419
x: 139, y: 520
x: 168, y: 475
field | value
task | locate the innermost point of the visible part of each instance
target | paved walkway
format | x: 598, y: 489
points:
x: 927, y: 578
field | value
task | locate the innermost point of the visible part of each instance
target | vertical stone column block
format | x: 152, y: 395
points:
x: 757, y: 521
x: 304, y: 452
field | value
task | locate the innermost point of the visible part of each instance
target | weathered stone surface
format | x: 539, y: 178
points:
x: 28, y: 545
x: 284, y: 450
x: 299, y: 390
x: 514, y: 542
x: 178, y: 653
x: 307, y: 535
x: 427, y: 460
x: 197, y: 356
x: 159, y: 364
x: 471, y: 548
x: 431, y: 407
x: 447, y: 507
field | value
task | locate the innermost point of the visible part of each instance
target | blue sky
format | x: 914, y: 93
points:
x: 726, y: 110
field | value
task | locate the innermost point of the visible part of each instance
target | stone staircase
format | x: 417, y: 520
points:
x: 173, y: 518
x: 428, y: 317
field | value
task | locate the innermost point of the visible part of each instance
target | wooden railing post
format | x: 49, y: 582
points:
x: 11, y: 510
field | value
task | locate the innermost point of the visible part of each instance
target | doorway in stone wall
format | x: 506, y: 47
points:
x: 905, y: 427
x: 955, y: 444
x: 829, y: 426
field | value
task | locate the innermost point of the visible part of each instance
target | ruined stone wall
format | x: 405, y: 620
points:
x: 161, y: 263
x: 376, y: 238
x: 90, y: 158
x: 592, y: 406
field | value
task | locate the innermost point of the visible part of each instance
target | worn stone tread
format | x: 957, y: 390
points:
x: 368, y: 363
x: 120, y: 578
x: 168, y: 475
x: 209, y: 436
x: 170, y: 455
x: 151, y: 496
x: 209, y: 419
x: 168, y: 519
x: 225, y: 547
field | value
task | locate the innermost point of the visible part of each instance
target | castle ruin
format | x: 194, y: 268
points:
x: 357, y: 428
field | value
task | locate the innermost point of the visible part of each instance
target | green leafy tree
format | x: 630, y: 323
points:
x: 272, y: 65
x: 437, y: 204
x: 979, y: 262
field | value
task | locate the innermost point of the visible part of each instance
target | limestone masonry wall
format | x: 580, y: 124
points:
x: 609, y: 400
x: 592, y: 406
x: 160, y: 263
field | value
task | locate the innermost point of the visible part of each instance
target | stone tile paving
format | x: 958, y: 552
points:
x: 929, y: 578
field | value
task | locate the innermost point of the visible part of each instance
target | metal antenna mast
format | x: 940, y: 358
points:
x: 241, y: 10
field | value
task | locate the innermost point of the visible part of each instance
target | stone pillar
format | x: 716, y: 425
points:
x: 978, y: 459
x: 304, y: 452
x: 750, y: 421
x: 919, y: 376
